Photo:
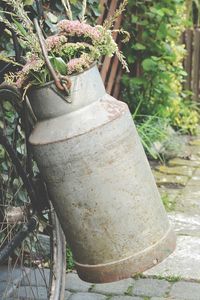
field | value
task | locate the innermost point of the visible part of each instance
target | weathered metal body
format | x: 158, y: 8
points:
x: 99, y: 180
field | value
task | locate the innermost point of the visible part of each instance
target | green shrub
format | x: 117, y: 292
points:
x: 155, y: 58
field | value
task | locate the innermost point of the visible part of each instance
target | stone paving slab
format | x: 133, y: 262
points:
x: 9, y: 281
x: 114, y: 288
x: 87, y: 296
x: 67, y: 295
x: 158, y: 298
x: 125, y: 298
x: 184, y: 262
x: 185, y: 224
x: 35, y: 277
x: 184, y: 162
x: 189, y: 201
x: 178, y: 170
x: 194, y: 181
x: 186, y: 291
x: 74, y: 283
x: 151, y: 287
x: 166, y: 179
x: 30, y: 293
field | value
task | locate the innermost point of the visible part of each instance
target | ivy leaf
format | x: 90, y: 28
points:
x: 156, y: 11
x: 162, y: 31
x: 137, y: 81
x: 148, y: 64
x: 138, y: 46
x: 131, y: 59
x: 134, y: 19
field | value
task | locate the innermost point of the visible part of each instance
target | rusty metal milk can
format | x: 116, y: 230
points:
x: 99, y: 180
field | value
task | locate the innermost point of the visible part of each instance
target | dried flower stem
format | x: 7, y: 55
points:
x: 84, y: 7
x: 9, y: 60
x: 30, y: 39
x: 18, y: 8
x: 110, y: 21
x: 124, y: 32
x: 67, y: 7
x: 122, y: 60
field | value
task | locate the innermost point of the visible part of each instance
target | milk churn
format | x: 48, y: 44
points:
x: 99, y: 180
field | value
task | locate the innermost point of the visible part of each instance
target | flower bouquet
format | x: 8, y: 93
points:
x: 75, y: 46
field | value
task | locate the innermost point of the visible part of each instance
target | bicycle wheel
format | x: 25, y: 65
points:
x: 36, y: 268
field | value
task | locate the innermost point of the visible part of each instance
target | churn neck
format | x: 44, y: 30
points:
x: 47, y: 102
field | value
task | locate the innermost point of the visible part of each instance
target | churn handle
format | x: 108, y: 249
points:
x: 63, y: 83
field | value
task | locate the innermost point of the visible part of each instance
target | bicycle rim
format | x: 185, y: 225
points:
x: 35, y: 270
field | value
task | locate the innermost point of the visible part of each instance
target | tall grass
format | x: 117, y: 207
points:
x: 152, y: 130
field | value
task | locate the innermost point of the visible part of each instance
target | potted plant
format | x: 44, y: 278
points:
x: 73, y: 49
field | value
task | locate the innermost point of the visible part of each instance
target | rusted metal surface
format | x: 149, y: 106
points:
x: 137, y: 263
x: 99, y: 181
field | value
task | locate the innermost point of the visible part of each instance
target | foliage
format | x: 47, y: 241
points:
x: 152, y: 129
x: 155, y: 59
x: 70, y: 260
x: 74, y: 47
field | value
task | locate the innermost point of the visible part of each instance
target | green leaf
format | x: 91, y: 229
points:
x: 53, y: 18
x: 148, y: 64
x: 28, y: 2
x: 134, y: 19
x: 137, y: 81
x: 20, y: 27
x: 131, y: 59
x: 59, y: 64
x: 138, y: 46
x: 156, y: 11
x: 7, y: 106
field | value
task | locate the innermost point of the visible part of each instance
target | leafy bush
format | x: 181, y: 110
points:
x: 155, y: 58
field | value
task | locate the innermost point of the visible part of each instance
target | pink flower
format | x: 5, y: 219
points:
x: 55, y: 41
x: 72, y: 28
x: 78, y: 64
x: 33, y: 63
x: 19, y: 82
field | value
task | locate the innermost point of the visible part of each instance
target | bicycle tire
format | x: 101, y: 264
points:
x: 31, y: 271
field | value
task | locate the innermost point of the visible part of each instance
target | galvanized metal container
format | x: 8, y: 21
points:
x: 99, y: 180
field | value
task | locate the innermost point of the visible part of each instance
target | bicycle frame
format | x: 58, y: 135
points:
x: 32, y: 223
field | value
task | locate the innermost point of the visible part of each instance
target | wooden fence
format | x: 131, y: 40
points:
x: 191, y: 39
x: 111, y: 70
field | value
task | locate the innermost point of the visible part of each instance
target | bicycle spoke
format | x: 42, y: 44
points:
x: 30, y: 265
